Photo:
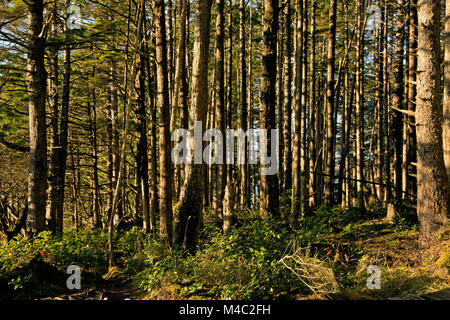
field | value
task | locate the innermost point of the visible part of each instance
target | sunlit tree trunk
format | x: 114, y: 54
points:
x: 287, y: 103
x: 446, y: 123
x: 165, y: 162
x: 190, y: 206
x: 329, y: 179
x: 433, y: 193
x: 312, y: 110
x: 37, y: 91
x: 244, y: 198
x: 220, y: 101
x: 296, y: 145
x: 359, y: 112
x: 269, y: 191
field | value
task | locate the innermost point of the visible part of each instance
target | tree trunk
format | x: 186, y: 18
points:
x: 446, y: 123
x: 380, y: 97
x: 151, y: 71
x: 243, y: 170
x: 386, y: 101
x: 190, y: 206
x: 53, y: 84
x: 287, y: 104
x: 312, y: 109
x: 142, y: 147
x: 303, y: 130
x: 228, y: 201
x: 220, y: 102
x: 296, y: 164
x: 165, y: 164
x: 269, y: 202
x: 95, y: 183
x: 433, y: 193
x: 180, y: 91
x: 412, y: 92
x: 37, y: 91
x: 359, y: 116
x: 329, y: 188
x: 397, y: 104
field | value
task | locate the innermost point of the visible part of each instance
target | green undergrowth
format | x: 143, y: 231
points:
x: 34, y: 268
x: 325, y: 255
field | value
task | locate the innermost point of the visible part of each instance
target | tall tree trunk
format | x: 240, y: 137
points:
x: 433, y: 199
x: 180, y: 90
x: 359, y: 116
x: 386, y: 101
x: 53, y: 98
x: 446, y: 123
x: 380, y: 147
x: 220, y: 101
x: 92, y: 111
x: 412, y: 92
x: 280, y: 95
x: 343, y: 168
x: 228, y: 203
x: 37, y: 91
x: 63, y: 135
x: 115, y: 152
x: 243, y: 170
x: 170, y: 53
x: 329, y: 189
x: 190, y: 206
x: 287, y: 104
x: 251, y: 117
x: 296, y: 162
x: 151, y: 87
x: 397, y: 104
x: 154, y: 199
x: 269, y: 192
x: 165, y: 164
x: 312, y: 109
x: 304, y: 114
x: 142, y: 147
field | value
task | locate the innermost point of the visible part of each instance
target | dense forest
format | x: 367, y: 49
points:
x: 226, y: 149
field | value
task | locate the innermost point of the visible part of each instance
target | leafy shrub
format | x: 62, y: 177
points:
x: 131, y: 245
x: 25, y: 264
x: 243, y: 264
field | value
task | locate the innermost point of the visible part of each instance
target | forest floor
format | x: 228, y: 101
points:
x: 326, y: 257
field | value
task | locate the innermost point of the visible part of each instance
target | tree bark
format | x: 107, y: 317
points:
x: 165, y: 164
x: 296, y: 164
x: 397, y: 104
x: 92, y: 111
x: 446, y: 123
x: 269, y: 191
x: 287, y: 104
x: 304, y: 114
x: 220, y: 102
x: 359, y: 115
x: 53, y: 98
x: 142, y: 147
x: 190, y: 206
x: 433, y: 192
x: 412, y: 92
x: 312, y: 152
x: 37, y: 91
x: 243, y: 170
x: 329, y: 188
